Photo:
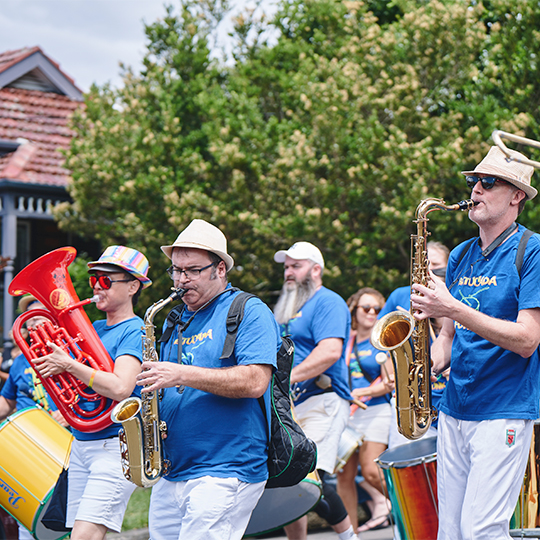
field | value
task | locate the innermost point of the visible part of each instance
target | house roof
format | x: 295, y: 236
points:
x: 34, y: 118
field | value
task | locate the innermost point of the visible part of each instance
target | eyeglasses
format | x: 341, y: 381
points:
x: 367, y: 309
x: 105, y: 282
x: 487, y: 182
x: 190, y: 273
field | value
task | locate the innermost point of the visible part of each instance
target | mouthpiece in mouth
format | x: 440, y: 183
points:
x: 96, y: 298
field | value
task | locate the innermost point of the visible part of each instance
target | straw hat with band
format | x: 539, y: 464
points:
x: 497, y: 164
x: 200, y: 234
x: 128, y: 259
x: 26, y: 301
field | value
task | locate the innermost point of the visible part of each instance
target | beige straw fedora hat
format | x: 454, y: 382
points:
x: 497, y: 164
x: 200, y: 234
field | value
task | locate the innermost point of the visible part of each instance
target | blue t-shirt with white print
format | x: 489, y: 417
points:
x: 486, y: 381
x: 208, y: 434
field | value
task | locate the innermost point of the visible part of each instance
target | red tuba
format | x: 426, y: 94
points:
x: 67, y: 326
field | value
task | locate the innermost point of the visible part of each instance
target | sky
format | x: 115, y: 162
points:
x: 87, y: 38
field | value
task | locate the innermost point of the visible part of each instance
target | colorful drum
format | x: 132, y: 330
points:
x: 35, y: 448
x: 410, y: 471
x: 348, y: 443
x: 280, y: 506
x: 525, y: 522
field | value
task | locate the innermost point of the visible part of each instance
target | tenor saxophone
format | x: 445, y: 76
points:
x: 142, y: 431
x: 407, y: 339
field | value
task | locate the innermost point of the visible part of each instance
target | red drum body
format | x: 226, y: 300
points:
x: 525, y: 522
x: 280, y: 506
x: 410, y: 471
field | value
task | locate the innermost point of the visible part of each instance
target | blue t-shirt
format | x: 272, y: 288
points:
x: 486, y: 381
x: 208, y: 434
x: 367, y: 364
x: 400, y: 297
x: 119, y: 339
x: 24, y: 387
x: 324, y: 315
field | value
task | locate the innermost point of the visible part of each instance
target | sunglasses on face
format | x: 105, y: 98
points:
x: 367, y: 309
x: 105, y: 282
x: 487, y: 181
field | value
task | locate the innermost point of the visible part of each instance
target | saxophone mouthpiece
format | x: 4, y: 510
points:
x: 178, y: 293
x: 467, y: 204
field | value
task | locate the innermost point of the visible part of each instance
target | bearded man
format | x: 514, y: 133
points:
x: 318, y: 321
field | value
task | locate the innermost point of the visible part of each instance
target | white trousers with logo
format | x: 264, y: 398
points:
x: 480, y: 469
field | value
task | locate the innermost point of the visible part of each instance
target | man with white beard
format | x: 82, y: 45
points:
x: 318, y: 322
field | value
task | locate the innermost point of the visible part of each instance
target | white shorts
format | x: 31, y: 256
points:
x: 372, y: 424
x: 98, y: 492
x: 480, y: 469
x: 323, y: 419
x: 204, y: 508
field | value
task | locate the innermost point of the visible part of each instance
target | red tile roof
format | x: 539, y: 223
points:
x: 42, y: 118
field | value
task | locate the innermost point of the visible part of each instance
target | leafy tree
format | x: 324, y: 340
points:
x: 332, y: 134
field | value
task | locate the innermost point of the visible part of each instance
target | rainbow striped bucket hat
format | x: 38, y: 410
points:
x: 129, y: 259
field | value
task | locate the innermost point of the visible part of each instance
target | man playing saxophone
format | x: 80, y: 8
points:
x: 98, y: 493
x: 490, y: 339
x: 216, y: 432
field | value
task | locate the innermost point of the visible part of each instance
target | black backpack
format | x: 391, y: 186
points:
x: 291, y: 455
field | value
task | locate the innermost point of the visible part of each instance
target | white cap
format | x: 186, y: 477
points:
x: 299, y: 252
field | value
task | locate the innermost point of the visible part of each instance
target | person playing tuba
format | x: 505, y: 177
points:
x: 98, y: 493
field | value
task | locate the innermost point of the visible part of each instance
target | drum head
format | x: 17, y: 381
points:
x: 280, y: 506
x: 409, y: 455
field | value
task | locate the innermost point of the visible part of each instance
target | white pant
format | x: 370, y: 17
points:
x: 480, y: 469
x: 205, y: 508
x: 323, y: 419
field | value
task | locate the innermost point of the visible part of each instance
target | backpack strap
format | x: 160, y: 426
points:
x: 521, y: 249
x: 234, y: 318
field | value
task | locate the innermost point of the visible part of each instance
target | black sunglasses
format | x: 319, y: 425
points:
x: 487, y: 181
x: 105, y: 282
x: 367, y: 309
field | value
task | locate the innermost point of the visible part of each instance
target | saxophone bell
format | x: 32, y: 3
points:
x: 408, y: 340
x: 142, y: 430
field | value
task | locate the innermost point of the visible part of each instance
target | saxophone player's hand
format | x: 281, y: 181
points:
x: 432, y: 301
x: 157, y: 375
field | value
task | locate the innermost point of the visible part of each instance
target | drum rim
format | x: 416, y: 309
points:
x: 411, y: 461
x: 430, y: 458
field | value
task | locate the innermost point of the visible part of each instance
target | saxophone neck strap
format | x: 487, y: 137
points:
x: 500, y: 239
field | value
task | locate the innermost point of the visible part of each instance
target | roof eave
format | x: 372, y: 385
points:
x: 38, y: 60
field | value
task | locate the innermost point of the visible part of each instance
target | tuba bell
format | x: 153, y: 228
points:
x: 497, y: 137
x: 67, y: 326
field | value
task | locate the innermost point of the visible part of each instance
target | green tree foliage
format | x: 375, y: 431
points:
x: 332, y: 134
